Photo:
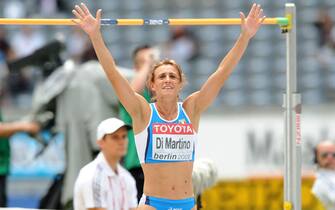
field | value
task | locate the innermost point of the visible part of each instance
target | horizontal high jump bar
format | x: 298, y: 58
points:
x: 281, y: 21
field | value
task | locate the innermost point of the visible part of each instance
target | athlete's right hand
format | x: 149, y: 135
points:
x: 86, y: 21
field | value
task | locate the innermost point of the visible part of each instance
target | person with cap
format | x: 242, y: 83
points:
x: 324, y: 185
x: 104, y: 183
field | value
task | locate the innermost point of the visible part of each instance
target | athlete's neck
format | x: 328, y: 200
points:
x: 167, y: 109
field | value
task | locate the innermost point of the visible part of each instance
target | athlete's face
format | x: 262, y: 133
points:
x: 115, y: 144
x: 167, y: 81
x: 326, y: 155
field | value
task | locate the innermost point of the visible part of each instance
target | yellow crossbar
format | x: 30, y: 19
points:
x: 138, y: 22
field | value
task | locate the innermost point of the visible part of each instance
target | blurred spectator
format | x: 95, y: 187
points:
x: 71, y: 86
x: 6, y: 51
x: 19, y: 88
x: 104, y: 176
x: 51, y: 7
x: 324, y: 24
x: 6, y: 54
x: 144, y: 58
x: 88, y: 54
x: 6, y: 130
x: 326, y: 37
x: 183, y: 45
x: 324, y: 185
x: 76, y: 44
x: 48, y: 7
x: 14, y: 9
x: 21, y: 82
x: 27, y: 41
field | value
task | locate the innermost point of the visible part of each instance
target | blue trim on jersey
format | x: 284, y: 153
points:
x: 148, y: 142
x: 182, y: 118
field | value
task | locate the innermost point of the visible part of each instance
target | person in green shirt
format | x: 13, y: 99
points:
x: 143, y: 59
x: 6, y: 130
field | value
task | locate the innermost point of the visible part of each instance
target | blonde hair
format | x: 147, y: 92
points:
x: 151, y: 77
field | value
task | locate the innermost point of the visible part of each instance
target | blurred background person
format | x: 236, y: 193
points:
x: 144, y: 58
x: 325, y: 25
x: 86, y: 99
x: 6, y: 54
x: 6, y: 130
x: 324, y: 185
x: 326, y: 37
x: 51, y: 7
x: 182, y: 46
x: 104, y: 183
x: 21, y: 83
x: 6, y: 49
x: 76, y: 44
x: 14, y: 9
x: 27, y: 40
x: 9, y: 128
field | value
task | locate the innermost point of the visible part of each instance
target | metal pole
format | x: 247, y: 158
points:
x: 292, y: 103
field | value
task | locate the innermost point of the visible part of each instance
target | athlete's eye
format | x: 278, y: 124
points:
x: 162, y: 76
x: 174, y: 77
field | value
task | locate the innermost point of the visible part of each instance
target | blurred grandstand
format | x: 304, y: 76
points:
x: 259, y: 79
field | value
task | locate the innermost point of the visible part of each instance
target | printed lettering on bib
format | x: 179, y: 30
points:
x: 172, y: 142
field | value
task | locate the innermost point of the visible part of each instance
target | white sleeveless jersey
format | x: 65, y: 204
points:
x: 166, y: 141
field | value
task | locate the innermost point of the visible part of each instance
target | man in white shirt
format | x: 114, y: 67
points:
x: 324, y: 185
x: 104, y: 184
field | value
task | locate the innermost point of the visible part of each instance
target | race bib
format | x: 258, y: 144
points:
x: 172, y: 142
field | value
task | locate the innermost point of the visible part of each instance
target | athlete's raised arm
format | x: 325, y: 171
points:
x: 133, y: 102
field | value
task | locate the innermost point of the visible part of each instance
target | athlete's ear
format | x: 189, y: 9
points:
x: 152, y: 87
